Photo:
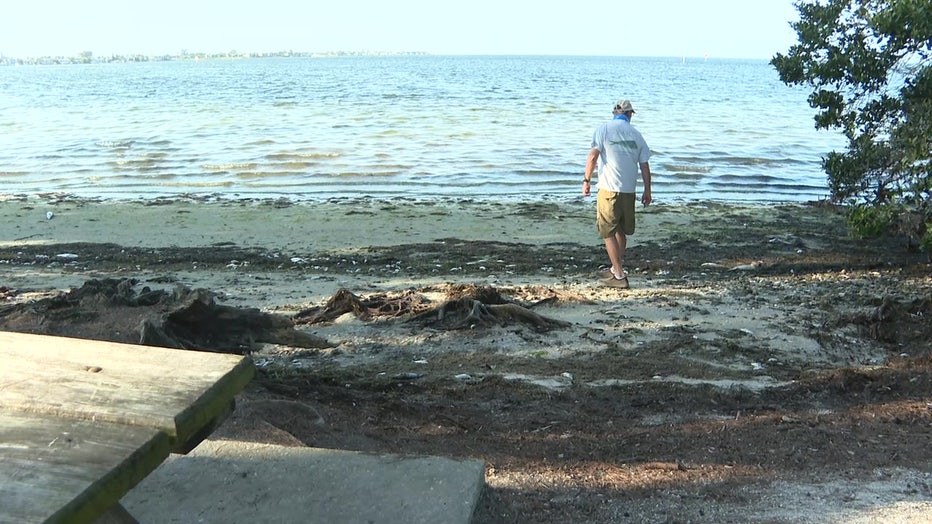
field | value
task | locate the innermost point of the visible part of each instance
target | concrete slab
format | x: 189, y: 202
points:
x: 225, y: 481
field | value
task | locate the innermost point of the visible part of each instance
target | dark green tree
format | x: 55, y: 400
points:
x: 868, y: 64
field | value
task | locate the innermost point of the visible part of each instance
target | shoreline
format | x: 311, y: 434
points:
x: 272, y: 254
x: 331, y: 224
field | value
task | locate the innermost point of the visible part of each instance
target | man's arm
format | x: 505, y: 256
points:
x: 591, y: 163
x: 646, y: 198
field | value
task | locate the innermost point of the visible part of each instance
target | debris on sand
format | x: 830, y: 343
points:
x: 112, y: 309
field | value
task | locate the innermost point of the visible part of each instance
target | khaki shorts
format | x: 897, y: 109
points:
x: 614, y: 212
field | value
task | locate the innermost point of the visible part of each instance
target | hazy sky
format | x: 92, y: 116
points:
x: 691, y: 28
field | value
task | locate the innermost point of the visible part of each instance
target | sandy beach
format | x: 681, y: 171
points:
x: 281, y: 229
x: 764, y: 365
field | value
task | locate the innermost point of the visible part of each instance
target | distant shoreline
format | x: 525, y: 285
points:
x: 90, y: 58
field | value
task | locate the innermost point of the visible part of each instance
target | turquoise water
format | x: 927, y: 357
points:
x: 415, y: 127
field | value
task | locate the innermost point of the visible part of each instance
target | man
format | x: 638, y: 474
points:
x: 619, y: 151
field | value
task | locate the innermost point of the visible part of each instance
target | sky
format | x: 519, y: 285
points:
x: 688, y: 28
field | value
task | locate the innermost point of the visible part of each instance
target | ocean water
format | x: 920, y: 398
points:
x: 420, y: 127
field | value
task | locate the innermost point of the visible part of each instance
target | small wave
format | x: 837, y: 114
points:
x: 229, y: 167
x: 274, y: 176
x: 546, y: 172
x: 742, y: 179
x: 300, y: 156
x: 296, y: 165
x: 137, y: 164
x: 554, y: 110
x: 402, y: 96
x: 156, y: 155
x: 189, y: 183
x: 769, y: 186
x: 115, y: 144
x: 678, y: 176
x: 686, y: 168
x: 732, y: 160
x: 388, y: 133
x: 364, y: 174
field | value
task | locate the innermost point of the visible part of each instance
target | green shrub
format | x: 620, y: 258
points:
x: 868, y: 221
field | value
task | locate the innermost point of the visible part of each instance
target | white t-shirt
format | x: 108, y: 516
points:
x: 622, y: 149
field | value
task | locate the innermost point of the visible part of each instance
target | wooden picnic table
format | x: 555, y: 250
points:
x: 82, y: 421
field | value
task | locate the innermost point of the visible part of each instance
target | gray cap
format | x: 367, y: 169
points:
x: 623, y: 106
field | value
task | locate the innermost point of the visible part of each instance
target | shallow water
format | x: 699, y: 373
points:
x: 414, y: 127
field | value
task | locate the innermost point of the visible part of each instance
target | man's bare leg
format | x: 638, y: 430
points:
x: 615, y: 246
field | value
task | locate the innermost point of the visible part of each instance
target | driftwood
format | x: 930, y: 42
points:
x: 466, y: 313
x: 344, y: 301
x: 111, y: 309
x: 466, y: 306
x: 469, y: 306
x: 885, y: 322
x: 199, y: 323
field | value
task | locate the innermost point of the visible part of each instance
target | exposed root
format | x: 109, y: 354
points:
x: 344, y: 301
x: 467, y: 306
x: 480, y: 314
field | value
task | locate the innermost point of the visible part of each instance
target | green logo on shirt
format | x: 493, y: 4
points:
x: 630, y: 145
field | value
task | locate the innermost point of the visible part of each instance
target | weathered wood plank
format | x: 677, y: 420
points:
x: 117, y: 514
x: 178, y: 392
x: 59, y: 470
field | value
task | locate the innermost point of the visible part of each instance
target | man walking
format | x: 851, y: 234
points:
x: 619, y: 152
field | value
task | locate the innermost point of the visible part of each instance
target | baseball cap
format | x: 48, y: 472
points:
x: 623, y: 106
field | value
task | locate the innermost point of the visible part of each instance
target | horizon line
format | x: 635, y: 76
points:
x: 90, y: 55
